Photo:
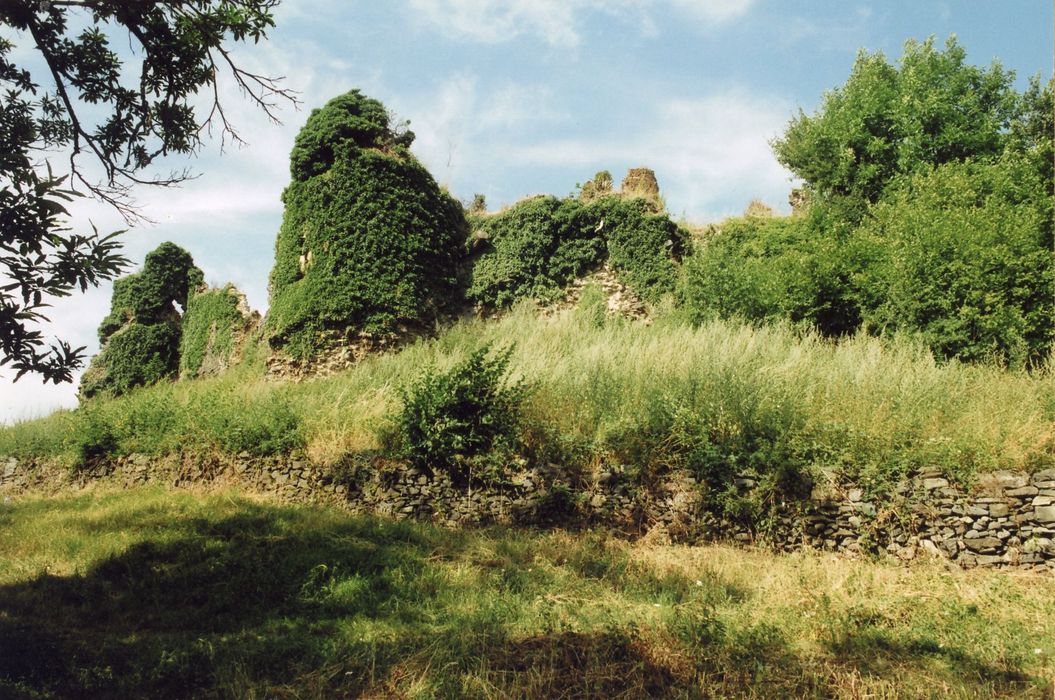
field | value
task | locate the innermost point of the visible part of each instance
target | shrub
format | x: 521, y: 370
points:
x: 261, y: 427
x: 539, y: 246
x: 94, y: 440
x: 212, y: 327
x: 963, y: 259
x: 450, y: 418
x: 368, y: 241
x: 643, y: 247
x: 758, y: 268
x: 599, y: 186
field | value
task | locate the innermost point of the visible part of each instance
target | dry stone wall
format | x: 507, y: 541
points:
x: 1007, y: 521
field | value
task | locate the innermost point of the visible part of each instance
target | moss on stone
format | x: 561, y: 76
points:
x: 369, y: 243
x: 140, y: 336
x: 214, y: 325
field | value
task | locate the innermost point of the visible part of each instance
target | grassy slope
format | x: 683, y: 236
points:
x: 863, y: 405
x: 161, y: 594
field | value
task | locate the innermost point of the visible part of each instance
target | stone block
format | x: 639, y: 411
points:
x: 998, y: 510
x: 1022, y: 492
x: 980, y: 544
x: 936, y: 482
x: 1043, y: 476
x: 866, y: 509
x: 1008, y: 480
x: 1044, y: 514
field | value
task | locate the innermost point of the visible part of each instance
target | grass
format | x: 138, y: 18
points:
x: 153, y: 593
x: 619, y: 391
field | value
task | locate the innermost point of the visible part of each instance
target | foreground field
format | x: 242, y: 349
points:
x: 153, y: 593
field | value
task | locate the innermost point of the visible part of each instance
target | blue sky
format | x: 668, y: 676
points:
x: 518, y: 97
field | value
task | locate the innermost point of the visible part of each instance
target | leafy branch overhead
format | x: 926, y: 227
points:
x: 110, y: 122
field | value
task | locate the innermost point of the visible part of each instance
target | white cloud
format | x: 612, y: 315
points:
x: 558, y: 22
x: 707, y: 152
x: 714, y: 11
x: 463, y: 122
x: 493, y: 21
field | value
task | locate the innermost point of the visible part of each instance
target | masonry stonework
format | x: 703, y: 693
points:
x: 1006, y: 521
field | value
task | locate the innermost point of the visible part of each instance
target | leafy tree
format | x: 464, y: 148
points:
x: 964, y: 260
x: 90, y: 104
x: 932, y: 108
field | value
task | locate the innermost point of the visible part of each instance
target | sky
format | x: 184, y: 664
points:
x: 510, y: 98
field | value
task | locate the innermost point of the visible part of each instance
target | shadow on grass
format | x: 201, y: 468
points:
x: 878, y: 652
x: 167, y: 615
x: 281, y: 602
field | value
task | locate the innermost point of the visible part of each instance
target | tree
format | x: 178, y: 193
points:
x: 886, y: 121
x: 86, y: 104
x: 964, y: 261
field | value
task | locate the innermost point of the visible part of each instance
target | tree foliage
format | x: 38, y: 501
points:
x: 930, y: 198
x: 105, y: 113
x: 369, y: 242
x: 964, y: 259
x: 931, y: 108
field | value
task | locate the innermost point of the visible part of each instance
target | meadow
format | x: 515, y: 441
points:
x: 606, y: 389
x: 156, y: 593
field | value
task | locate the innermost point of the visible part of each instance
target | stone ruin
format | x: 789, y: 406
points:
x: 641, y: 182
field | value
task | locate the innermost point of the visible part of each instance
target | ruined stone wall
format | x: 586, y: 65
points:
x: 1007, y: 521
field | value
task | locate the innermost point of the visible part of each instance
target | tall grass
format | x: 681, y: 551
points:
x: 623, y: 391
x: 160, y: 594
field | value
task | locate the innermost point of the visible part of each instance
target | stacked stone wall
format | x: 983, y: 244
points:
x: 1006, y: 521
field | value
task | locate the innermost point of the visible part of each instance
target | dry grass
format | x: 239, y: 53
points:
x: 865, y: 406
x: 170, y: 594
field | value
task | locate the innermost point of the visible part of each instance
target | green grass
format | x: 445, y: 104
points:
x: 624, y: 392
x: 149, y: 593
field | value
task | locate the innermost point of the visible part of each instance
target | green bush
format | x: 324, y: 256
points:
x: 535, y: 249
x: 538, y: 246
x: 94, y: 440
x: 211, y: 329
x: 241, y: 424
x: 759, y: 268
x: 643, y: 247
x: 963, y: 258
x: 368, y: 241
x: 451, y: 418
